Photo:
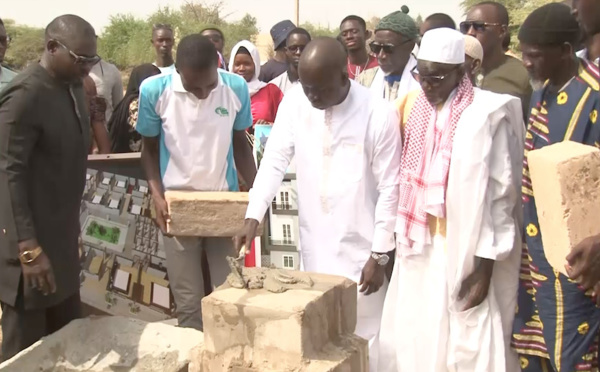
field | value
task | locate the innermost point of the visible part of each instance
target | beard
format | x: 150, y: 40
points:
x: 536, y: 84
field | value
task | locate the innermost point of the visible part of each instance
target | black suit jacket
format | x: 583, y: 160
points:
x: 44, y: 141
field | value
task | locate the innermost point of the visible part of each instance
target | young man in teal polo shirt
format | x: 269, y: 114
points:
x: 193, y: 123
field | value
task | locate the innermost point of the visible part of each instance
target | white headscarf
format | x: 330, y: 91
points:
x: 254, y: 85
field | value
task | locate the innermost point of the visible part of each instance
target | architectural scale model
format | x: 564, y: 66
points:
x: 123, y: 260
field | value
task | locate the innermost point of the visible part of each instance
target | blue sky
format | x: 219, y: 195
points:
x: 267, y: 12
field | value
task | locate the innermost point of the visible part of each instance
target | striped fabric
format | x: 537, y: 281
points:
x: 557, y: 325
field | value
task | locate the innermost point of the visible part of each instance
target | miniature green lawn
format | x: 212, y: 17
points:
x: 101, y: 232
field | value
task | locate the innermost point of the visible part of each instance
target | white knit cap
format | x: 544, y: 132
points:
x: 442, y: 45
x: 473, y: 48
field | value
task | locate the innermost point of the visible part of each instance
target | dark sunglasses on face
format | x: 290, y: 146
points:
x: 477, y: 26
x: 214, y: 38
x: 80, y: 60
x: 296, y: 48
x: 376, y: 47
x: 432, y: 80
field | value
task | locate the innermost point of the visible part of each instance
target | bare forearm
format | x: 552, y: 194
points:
x: 244, y: 161
x: 101, y: 137
x: 247, y: 169
x: 486, y: 266
x: 150, y: 163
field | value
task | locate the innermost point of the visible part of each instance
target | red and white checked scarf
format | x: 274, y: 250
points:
x: 425, y: 164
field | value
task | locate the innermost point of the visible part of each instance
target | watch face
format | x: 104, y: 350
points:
x: 26, y: 256
x: 384, y: 259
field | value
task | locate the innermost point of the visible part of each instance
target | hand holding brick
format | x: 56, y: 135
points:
x: 206, y: 214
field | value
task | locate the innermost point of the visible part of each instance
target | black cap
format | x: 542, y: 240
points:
x: 280, y: 32
x: 551, y: 24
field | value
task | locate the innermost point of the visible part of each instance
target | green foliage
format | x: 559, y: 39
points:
x: 372, y: 23
x: 26, y: 46
x: 318, y: 30
x: 126, y: 41
x: 101, y: 232
x: 419, y: 21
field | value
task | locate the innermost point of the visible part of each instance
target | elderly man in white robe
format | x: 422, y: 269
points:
x: 347, y: 150
x: 393, y: 42
x: 451, y: 299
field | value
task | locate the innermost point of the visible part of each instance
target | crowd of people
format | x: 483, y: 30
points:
x: 410, y: 145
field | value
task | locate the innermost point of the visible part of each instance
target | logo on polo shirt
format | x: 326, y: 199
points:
x: 222, y: 111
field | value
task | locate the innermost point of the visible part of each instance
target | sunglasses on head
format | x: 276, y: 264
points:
x: 80, y: 60
x: 432, y: 80
x: 387, y: 48
x: 477, y: 26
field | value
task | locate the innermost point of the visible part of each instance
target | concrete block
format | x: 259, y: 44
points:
x: 206, y: 214
x: 348, y: 354
x: 285, y: 329
x: 110, y: 344
x: 566, y: 184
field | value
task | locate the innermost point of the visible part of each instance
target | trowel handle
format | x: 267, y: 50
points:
x: 242, y: 251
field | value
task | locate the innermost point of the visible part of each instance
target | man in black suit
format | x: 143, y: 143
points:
x: 44, y: 142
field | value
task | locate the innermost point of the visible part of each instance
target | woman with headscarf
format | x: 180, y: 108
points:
x: 121, y: 126
x: 264, y: 98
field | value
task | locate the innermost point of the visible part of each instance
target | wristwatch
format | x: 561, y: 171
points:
x: 381, y: 259
x: 28, y: 256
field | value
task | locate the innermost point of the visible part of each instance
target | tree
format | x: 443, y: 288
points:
x: 419, y: 21
x: 316, y: 30
x: 372, y: 23
x: 126, y: 41
x: 26, y: 46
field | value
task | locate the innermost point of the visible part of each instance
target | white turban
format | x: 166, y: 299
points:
x: 442, y: 45
x: 473, y: 48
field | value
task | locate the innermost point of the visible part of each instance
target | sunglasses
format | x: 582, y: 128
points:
x: 477, y: 26
x: 296, y: 48
x: 432, y: 80
x: 80, y: 60
x: 215, y: 38
x: 376, y: 47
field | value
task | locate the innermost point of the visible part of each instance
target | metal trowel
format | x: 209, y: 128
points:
x: 242, y: 254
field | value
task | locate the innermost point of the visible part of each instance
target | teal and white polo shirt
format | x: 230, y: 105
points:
x: 196, y: 149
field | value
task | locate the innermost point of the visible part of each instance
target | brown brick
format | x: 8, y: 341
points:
x: 206, y: 214
x: 566, y: 185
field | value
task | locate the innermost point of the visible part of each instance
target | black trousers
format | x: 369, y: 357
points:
x: 22, y: 328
